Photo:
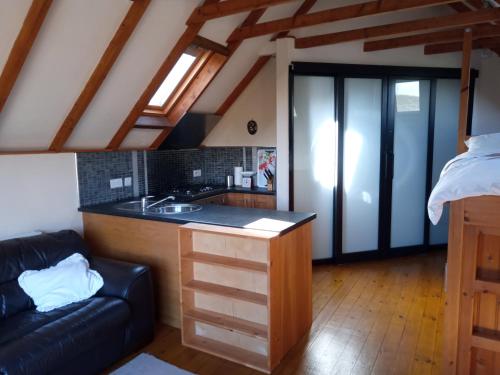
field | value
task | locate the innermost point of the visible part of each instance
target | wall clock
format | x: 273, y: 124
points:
x: 252, y: 127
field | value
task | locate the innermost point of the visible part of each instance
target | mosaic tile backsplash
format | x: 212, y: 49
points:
x: 165, y: 169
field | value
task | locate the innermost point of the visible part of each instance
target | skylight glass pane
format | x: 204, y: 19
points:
x: 408, y: 96
x: 173, y: 78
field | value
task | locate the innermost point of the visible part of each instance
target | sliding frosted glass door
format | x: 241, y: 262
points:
x: 361, y: 164
x: 445, y: 143
x: 409, y: 184
x: 315, y: 156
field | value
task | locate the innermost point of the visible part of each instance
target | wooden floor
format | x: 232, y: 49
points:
x: 381, y: 317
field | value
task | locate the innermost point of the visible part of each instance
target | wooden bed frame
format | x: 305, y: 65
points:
x: 472, y: 310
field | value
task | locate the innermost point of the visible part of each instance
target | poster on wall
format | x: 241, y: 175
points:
x: 266, y: 159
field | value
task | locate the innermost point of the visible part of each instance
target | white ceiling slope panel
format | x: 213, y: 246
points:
x: 220, y: 28
x: 70, y: 43
x: 242, y: 60
x: 230, y: 75
x: 153, y: 39
x: 12, y: 14
x: 140, y: 138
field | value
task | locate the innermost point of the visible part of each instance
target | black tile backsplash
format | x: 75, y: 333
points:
x: 165, y: 169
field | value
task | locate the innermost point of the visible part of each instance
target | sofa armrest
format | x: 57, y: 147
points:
x: 131, y: 282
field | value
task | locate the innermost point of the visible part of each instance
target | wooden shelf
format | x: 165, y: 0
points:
x: 242, y: 326
x: 484, y: 286
x: 230, y: 352
x: 226, y: 291
x: 486, y: 342
x: 241, y: 264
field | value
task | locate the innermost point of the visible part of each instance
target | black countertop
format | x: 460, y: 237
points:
x: 238, y: 217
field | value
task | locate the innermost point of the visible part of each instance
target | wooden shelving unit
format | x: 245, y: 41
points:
x: 246, y: 294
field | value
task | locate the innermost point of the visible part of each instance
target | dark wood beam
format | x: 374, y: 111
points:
x: 182, y: 44
x: 487, y: 43
x: 229, y: 7
x: 330, y: 15
x: 208, y: 44
x: 454, y: 35
x: 464, y: 91
x: 454, y: 20
x: 101, y: 71
x: 242, y: 85
x: 21, y: 47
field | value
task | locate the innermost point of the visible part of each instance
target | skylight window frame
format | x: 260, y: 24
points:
x: 202, y: 56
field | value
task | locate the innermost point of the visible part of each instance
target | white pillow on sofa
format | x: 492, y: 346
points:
x: 68, y: 281
x: 485, y: 144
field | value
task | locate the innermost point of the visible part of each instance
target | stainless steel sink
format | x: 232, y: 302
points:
x: 161, y: 209
x: 174, y: 208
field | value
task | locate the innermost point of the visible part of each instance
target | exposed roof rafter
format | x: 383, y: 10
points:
x: 226, y: 8
x: 22, y: 46
x: 330, y: 15
x: 122, y: 35
x: 454, y: 35
x: 432, y: 49
x: 454, y: 20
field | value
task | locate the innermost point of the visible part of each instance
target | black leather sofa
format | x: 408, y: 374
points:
x: 81, y: 338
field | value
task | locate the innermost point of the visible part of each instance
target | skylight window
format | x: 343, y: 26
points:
x: 408, y: 96
x: 172, y: 80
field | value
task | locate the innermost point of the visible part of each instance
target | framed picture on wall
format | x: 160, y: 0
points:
x: 266, y: 159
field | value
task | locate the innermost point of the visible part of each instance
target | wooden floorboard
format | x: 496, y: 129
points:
x: 380, y: 317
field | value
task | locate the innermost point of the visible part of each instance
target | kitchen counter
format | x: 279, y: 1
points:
x: 237, y: 217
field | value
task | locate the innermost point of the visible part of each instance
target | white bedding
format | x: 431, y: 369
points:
x: 467, y: 175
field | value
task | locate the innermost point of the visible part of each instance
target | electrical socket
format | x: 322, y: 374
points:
x: 127, y: 181
x: 116, y: 183
x: 197, y: 173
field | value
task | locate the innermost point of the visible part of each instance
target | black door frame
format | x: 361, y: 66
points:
x: 387, y: 74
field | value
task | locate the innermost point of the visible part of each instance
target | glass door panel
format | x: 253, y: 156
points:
x: 445, y: 144
x: 315, y: 156
x: 361, y: 164
x: 411, y: 123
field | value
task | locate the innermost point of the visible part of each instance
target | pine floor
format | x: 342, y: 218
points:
x: 381, y: 317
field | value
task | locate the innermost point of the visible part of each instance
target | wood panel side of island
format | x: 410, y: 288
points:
x: 147, y: 242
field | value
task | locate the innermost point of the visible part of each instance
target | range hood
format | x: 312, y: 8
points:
x: 190, y: 131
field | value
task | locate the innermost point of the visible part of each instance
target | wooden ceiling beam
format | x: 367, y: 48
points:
x: 22, y: 46
x: 464, y: 90
x: 242, y: 85
x: 330, y: 15
x: 229, y: 7
x: 182, y: 44
x: 433, y: 49
x: 101, y: 71
x: 454, y: 35
x: 454, y: 20
x: 208, y: 44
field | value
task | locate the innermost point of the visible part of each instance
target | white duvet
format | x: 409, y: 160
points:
x: 467, y: 175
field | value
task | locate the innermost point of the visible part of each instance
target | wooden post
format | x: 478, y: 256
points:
x: 464, y: 91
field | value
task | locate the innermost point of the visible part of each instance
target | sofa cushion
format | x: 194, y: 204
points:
x: 37, y: 252
x: 31, y: 253
x: 34, y: 342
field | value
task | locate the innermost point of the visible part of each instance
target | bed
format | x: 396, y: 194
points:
x: 472, y: 307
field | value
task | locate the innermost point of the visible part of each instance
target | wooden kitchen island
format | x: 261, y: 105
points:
x: 243, y: 275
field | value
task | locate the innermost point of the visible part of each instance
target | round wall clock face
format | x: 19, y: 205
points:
x: 252, y: 127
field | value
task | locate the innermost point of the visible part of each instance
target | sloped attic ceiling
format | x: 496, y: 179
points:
x: 73, y: 38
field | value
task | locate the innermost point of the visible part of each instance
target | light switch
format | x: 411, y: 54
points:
x: 127, y: 181
x: 197, y: 173
x: 116, y: 183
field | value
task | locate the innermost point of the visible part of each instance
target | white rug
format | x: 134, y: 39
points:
x: 149, y: 365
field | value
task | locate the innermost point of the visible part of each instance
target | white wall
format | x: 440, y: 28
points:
x: 486, y: 115
x: 38, y: 192
x: 257, y: 102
